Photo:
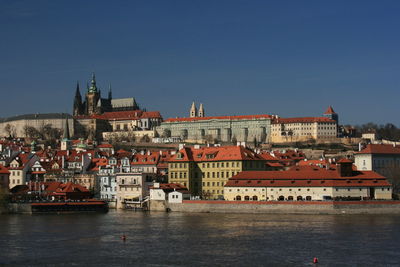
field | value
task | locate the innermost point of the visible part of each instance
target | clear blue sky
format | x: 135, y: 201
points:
x: 291, y: 58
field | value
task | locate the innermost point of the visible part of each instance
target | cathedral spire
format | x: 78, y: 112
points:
x: 93, y: 87
x: 109, y: 93
x: 77, y: 109
x: 66, y: 130
x: 78, y: 92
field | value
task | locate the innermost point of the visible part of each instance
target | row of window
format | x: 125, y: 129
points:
x: 14, y: 173
x: 213, y: 183
x: 210, y: 165
x: 183, y: 175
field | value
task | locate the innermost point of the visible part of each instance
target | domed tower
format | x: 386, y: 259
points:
x: 92, y: 97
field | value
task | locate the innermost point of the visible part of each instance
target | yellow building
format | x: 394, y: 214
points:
x: 205, y: 171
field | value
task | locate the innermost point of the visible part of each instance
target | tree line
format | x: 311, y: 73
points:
x: 387, y: 131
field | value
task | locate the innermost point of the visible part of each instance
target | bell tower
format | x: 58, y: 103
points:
x: 92, y: 97
x: 193, y: 111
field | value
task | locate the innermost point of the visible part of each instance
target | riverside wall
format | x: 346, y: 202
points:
x: 298, y: 207
x: 19, y: 208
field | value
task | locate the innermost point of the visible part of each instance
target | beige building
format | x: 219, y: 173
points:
x: 313, y: 183
x: 132, y: 188
x: 303, y: 129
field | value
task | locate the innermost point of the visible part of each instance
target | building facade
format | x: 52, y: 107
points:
x: 204, y: 171
x: 244, y: 128
x: 313, y: 183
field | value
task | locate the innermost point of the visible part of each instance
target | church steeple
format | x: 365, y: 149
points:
x: 193, y: 111
x: 201, y: 111
x: 93, y: 87
x: 77, y: 109
x: 109, y: 93
x: 66, y: 130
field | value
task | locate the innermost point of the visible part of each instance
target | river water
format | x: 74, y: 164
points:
x: 202, y: 239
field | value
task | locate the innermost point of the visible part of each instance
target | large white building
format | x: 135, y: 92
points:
x: 309, y: 183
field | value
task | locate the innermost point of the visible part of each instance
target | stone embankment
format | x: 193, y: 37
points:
x: 280, y: 207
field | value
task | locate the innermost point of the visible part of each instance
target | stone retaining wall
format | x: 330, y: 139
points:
x: 19, y: 208
x: 306, y: 207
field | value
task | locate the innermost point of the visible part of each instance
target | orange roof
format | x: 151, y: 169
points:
x: 330, y: 110
x: 380, y: 149
x: 139, y: 159
x: 4, y: 170
x: 307, y: 177
x: 302, y: 120
x: 105, y: 146
x: 242, y: 117
x: 123, y: 115
x: 223, y: 153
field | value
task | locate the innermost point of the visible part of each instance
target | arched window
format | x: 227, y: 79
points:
x: 255, y: 198
x: 246, y: 198
x: 299, y: 198
x: 238, y: 198
x: 281, y: 198
x: 290, y: 198
x: 123, y: 181
x: 308, y: 197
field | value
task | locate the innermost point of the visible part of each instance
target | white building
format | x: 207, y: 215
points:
x: 383, y: 159
x: 308, y: 183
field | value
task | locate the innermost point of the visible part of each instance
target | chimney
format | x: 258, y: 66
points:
x: 345, y: 167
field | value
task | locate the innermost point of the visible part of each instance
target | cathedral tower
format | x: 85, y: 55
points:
x: 92, y: 97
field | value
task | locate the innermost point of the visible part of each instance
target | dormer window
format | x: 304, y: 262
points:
x: 179, y: 156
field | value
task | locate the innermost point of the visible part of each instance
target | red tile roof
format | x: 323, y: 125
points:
x: 329, y: 110
x: 302, y: 120
x: 123, y: 115
x: 380, y: 149
x: 105, y: 146
x: 146, y: 159
x: 3, y: 170
x: 242, y: 117
x: 223, y: 153
x: 306, y: 178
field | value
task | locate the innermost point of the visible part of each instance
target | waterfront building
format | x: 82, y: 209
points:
x: 308, y: 183
x: 19, y: 168
x: 205, y: 170
x: 160, y: 191
x: 132, y: 187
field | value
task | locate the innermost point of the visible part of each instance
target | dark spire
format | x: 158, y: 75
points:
x: 77, y: 109
x: 66, y: 129
x: 93, y: 87
x: 78, y: 92
x: 109, y: 93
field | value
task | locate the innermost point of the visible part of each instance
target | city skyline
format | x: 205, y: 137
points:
x: 291, y: 59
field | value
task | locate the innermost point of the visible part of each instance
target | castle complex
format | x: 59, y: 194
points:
x: 261, y: 128
x: 95, y: 104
